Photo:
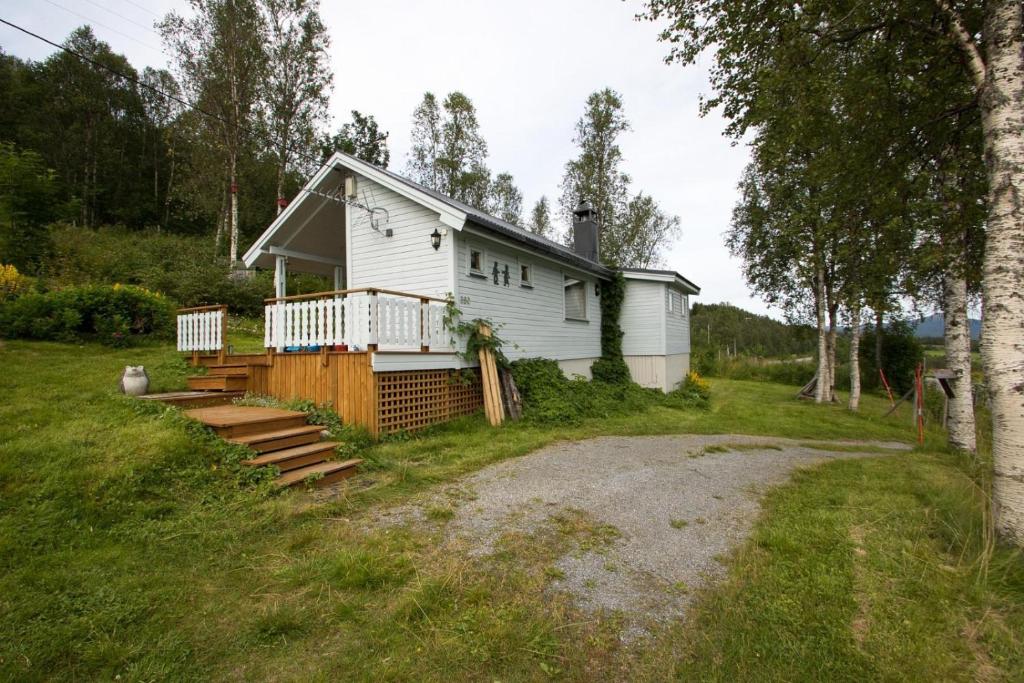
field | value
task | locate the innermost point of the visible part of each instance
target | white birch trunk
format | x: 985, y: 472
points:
x: 854, y: 403
x: 819, y: 296
x: 830, y: 345
x: 1003, y: 318
x: 958, y: 359
x: 233, y: 248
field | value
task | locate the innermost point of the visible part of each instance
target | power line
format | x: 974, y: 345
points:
x: 123, y: 18
x: 185, y: 103
x: 113, y: 30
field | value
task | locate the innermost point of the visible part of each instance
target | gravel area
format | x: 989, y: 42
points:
x: 680, y: 504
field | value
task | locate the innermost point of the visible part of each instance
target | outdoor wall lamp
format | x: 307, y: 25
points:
x: 435, y: 239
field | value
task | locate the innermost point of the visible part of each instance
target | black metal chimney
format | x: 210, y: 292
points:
x: 586, y: 232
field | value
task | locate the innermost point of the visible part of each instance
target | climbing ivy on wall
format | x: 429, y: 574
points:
x: 611, y: 367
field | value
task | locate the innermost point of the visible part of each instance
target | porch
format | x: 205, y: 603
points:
x: 382, y: 358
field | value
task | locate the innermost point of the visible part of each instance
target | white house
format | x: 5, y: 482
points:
x: 373, y: 230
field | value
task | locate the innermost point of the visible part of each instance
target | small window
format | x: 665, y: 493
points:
x: 668, y: 300
x: 525, y: 275
x: 676, y: 304
x: 575, y: 294
x: 476, y: 262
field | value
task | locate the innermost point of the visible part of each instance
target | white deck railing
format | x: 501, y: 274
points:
x: 359, y: 319
x: 201, y: 329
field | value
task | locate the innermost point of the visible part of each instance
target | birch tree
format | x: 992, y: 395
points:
x: 362, y: 138
x: 219, y: 52
x: 298, y: 82
x: 987, y: 39
x: 426, y: 143
x: 506, y: 201
x: 540, y: 218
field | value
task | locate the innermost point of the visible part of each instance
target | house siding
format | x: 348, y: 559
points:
x: 406, y: 261
x: 643, y: 319
x: 677, y: 329
x: 532, y: 319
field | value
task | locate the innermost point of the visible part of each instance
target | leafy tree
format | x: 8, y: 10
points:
x: 647, y: 229
x: 362, y: 139
x: 426, y: 143
x: 27, y: 205
x: 910, y: 39
x: 463, y: 172
x: 596, y: 175
x: 540, y: 218
x: 633, y: 229
x: 448, y: 152
x: 221, y: 58
x: 298, y: 82
x: 506, y: 201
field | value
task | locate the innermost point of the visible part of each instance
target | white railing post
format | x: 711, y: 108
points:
x: 373, y: 338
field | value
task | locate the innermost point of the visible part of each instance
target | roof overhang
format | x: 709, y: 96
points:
x: 308, y: 203
x: 668, y: 276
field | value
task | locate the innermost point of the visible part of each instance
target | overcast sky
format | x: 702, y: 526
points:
x: 528, y: 66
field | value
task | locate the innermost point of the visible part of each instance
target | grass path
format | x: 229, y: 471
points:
x: 130, y: 548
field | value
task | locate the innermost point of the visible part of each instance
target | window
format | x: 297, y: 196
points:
x: 675, y: 304
x: 476, y: 261
x: 525, y: 275
x: 575, y: 294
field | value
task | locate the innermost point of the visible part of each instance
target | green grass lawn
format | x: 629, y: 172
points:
x: 132, y: 546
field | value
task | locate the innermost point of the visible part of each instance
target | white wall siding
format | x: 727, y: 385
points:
x: 676, y: 367
x: 406, y: 261
x: 647, y: 371
x: 532, y: 318
x: 677, y: 329
x: 643, y: 318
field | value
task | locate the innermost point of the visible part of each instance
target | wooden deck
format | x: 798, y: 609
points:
x: 279, y: 438
x: 382, y: 402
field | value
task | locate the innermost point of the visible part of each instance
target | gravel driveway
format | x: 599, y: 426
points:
x: 679, y: 504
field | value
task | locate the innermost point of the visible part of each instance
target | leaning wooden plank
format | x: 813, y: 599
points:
x: 489, y: 376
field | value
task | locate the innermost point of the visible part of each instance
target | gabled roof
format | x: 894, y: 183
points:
x: 669, y: 276
x: 451, y: 212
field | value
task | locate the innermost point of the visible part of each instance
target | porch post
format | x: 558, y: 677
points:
x: 280, y: 276
x: 339, y: 278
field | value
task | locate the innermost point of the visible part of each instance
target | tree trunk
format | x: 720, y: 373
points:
x: 854, y: 403
x: 233, y: 249
x: 280, y: 188
x: 958, y: 359
x: 830, y: 345
x: 819, y: 296
x: 1002, y: 344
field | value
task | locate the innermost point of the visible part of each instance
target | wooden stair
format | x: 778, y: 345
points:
x: 217, y: 383
x: 194, y: 399
x: 280, y: 438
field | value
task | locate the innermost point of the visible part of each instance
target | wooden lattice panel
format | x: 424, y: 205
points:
x: 415, y: 399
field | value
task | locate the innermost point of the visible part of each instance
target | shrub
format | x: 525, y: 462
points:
x: 610, y: 371
x: 12, y: 283
x: 550, y: 398
x: 117, y: 315
x: 183, y: 268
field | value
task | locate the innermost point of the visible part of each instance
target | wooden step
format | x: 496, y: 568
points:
x: 216, y: 383
x: 233, y: 421
x: 194, y: 399
x: 333, y: 471
x: 236, y: 370
x: 264, y: 442
x: 292, y: 458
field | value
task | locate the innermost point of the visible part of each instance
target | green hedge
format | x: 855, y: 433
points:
x: 551, y: 398
x: 117, y: 315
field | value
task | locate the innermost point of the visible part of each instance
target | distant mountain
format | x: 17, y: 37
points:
x: 932, y: 327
